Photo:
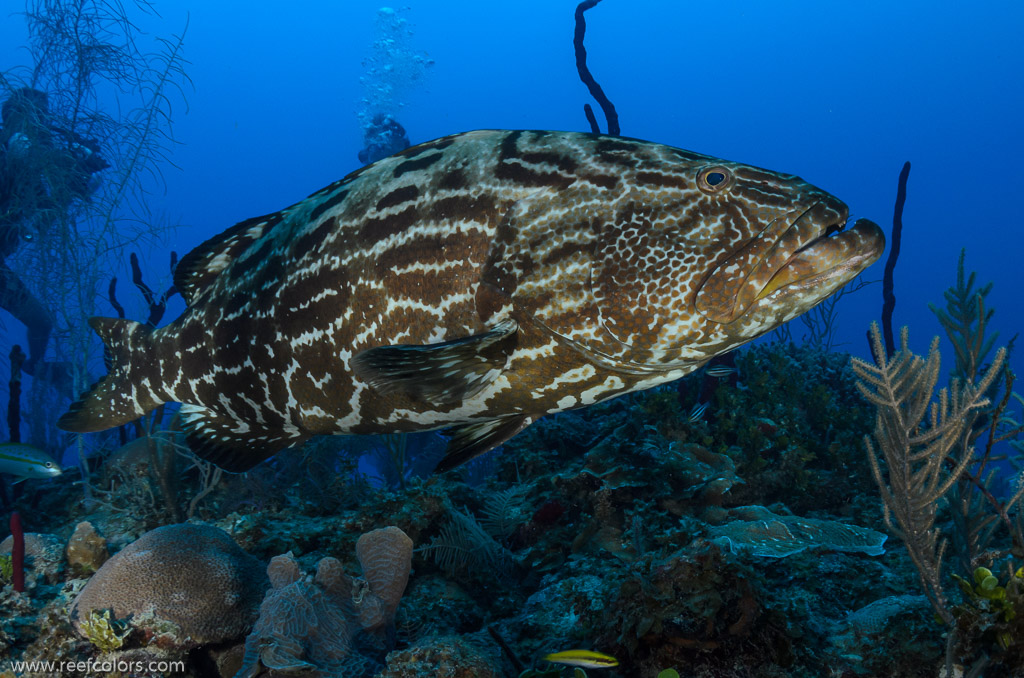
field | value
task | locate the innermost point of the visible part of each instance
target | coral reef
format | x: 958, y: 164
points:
x: 86, y: 550
x: 177, y: 586
x: 744, y: 542
x: 628, y: 528
x: 766, y: 534
x: 313, y: 625
x: 44, y: 557
x: 726, y: 525
x: 449, y: 656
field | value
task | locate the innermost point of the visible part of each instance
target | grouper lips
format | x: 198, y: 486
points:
x: 838, y: 253
x: 809, y: 249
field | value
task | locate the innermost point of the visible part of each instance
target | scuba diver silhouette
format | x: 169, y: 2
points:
x: 43, y: 169
x: 384, y: 136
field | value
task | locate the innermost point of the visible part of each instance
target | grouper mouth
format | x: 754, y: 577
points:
x: 812, y: 249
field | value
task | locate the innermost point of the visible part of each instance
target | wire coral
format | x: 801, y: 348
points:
x: 888, y: 296
x: 581, y: 66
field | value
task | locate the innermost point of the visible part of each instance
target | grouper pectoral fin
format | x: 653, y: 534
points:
x: 474, y: 439
x: 232, y: 445
x: 439, y: 374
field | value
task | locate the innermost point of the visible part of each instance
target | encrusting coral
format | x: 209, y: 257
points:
x: 766, y: 534
x: 86, y: 550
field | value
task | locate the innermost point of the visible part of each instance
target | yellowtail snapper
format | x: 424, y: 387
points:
x: 25, y: 461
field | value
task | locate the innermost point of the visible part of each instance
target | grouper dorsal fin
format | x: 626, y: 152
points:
x: 439, y: 374
x: 200, y: 267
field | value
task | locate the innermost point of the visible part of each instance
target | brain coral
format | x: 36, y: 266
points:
x: 192, y: 576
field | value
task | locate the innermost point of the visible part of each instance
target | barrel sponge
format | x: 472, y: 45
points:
x: 194, y: 577
x: 386, y: 558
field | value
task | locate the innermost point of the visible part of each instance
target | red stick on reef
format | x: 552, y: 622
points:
x: 17, y: 553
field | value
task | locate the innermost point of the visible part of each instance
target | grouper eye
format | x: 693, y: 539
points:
x: 714, y: 179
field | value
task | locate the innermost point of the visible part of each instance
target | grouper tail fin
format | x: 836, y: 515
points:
x: 129, y: 389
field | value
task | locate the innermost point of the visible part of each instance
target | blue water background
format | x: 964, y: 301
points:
x: 838, y: 93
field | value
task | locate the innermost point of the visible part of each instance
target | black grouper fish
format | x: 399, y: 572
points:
x: 476, y: 282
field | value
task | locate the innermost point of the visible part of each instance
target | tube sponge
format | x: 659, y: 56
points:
x: 386, y: 558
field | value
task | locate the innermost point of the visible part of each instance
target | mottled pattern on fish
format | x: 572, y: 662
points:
x: 477, y: 281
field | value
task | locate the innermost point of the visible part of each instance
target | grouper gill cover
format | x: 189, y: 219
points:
x: 476, y: 282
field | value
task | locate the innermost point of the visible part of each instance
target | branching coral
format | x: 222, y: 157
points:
x: 917, y: 438
x: 82, y: 52
x: 464, y: 544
